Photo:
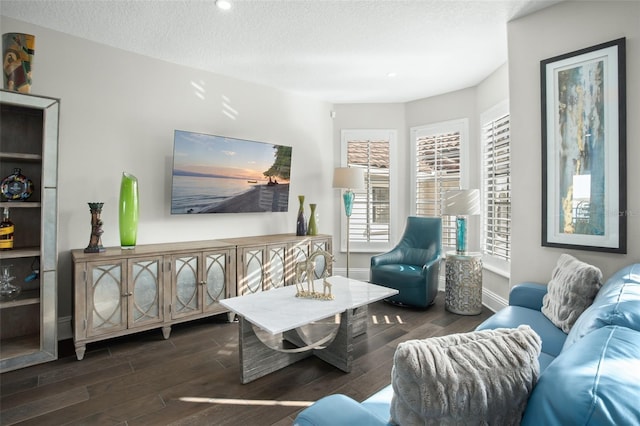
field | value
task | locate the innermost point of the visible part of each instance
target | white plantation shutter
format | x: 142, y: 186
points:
x: 370, y: 216
x: 496, y: 185
x: 373, y: 221
x: 437, y: 169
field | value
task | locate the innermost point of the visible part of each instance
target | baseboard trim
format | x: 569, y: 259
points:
x: 360, y: 274
x: 493, y: 301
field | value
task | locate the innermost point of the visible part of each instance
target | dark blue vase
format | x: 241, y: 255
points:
x: 301, y: 223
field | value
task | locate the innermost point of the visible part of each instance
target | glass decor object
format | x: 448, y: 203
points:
x: 129, y: 211
x: 16, y: 186
x: 461, y: 234
x: 301, y: 224
x: 95, y: 240
x: 17, y: 59
x: 8, y: 291
x: 312, y: 229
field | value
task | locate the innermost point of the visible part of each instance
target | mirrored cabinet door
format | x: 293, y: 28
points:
x: 185, y: 286
x: 106, y: 298
x: 145, y: 295
x: 276, y: 270
x: 216, y: 273
x: 250, y: 274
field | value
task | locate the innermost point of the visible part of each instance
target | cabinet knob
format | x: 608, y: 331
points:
x: 127, y: 294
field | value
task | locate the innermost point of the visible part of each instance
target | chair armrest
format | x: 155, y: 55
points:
x: 393, y: 256
x: 335, y: 410
x: 528, y: 295
x: 432, y: 268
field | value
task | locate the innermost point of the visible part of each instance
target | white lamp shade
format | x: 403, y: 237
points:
x: 463, y: 202
x: 348, y: 177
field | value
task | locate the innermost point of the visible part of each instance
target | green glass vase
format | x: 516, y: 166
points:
x: 129, y: 210
x: 312, y: 229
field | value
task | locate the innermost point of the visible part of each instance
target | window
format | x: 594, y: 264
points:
x: 437, y: 167
x: 371, y: 223
x: 496, y: 184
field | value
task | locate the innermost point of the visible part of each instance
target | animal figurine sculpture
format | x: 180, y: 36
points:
x: 307, y: 269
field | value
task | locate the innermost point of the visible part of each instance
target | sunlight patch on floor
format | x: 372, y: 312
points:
x: 232, y: 401
x: 386, y: 320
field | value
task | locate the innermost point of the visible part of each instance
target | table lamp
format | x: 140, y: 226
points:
x: 348, y: 178
x: 461, y: 203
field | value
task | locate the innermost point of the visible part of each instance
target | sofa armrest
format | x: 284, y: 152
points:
x: 527, y: 295
x: 336, y: 410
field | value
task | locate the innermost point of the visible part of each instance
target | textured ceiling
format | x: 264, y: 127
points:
x: 340, y: 51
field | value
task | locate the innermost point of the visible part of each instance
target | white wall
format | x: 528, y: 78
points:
x: 564, y: 28
x: 447, y: 107
x: 118, y: 113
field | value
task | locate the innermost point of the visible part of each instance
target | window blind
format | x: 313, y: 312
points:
x: 497, y: 188
x: 370, y: 218
x: 438, y: 167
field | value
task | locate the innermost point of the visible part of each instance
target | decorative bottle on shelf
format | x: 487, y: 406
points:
x: 313, y: 227
x: 6, y: 231
x: 16, y: 186
x: 301, y: 224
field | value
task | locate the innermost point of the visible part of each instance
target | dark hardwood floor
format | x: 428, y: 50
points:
x: 140, y: 379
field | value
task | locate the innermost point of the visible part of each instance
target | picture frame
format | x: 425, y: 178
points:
x: 584, y: 149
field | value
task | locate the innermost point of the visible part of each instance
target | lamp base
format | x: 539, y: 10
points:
x: 461, y: 235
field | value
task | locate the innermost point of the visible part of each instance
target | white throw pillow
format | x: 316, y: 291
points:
x: 573, y: 286
x: 481, y: 377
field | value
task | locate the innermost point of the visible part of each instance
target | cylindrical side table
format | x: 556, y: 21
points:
x: 463, y: 284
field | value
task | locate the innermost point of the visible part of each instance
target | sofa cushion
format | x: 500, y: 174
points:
x: 482, y: 377
x: 617, y: 303
x: 594, y: 382
x: 573, y: 286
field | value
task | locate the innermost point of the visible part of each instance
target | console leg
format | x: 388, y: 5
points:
x: 80, y: 349
x: 166, y: 331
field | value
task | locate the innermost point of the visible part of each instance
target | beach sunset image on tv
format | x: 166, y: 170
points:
x: 217, y: 174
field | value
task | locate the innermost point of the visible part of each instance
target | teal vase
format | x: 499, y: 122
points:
x: 129, y: 210
x: 312, y: 229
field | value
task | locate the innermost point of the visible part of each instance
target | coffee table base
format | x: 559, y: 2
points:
x: 258, y: 360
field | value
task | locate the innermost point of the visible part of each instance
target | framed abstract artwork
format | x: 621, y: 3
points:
x: 584, y: 149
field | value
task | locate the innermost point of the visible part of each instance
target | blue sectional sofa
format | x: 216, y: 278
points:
x: 590, y: 376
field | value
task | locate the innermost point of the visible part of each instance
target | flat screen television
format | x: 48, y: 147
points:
x: 217, y: 174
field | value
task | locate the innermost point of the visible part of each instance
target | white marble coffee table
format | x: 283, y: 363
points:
x: 283, y: 317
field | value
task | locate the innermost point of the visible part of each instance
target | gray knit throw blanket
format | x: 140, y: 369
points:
x: 477, y: 378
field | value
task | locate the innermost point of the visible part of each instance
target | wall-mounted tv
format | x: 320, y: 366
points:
x: 217, y: 174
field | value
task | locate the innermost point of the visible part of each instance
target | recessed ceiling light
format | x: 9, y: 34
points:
x: 223, y: 4
x: 392, y: 74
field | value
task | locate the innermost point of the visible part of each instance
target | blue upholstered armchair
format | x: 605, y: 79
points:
x: 413, y: 265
